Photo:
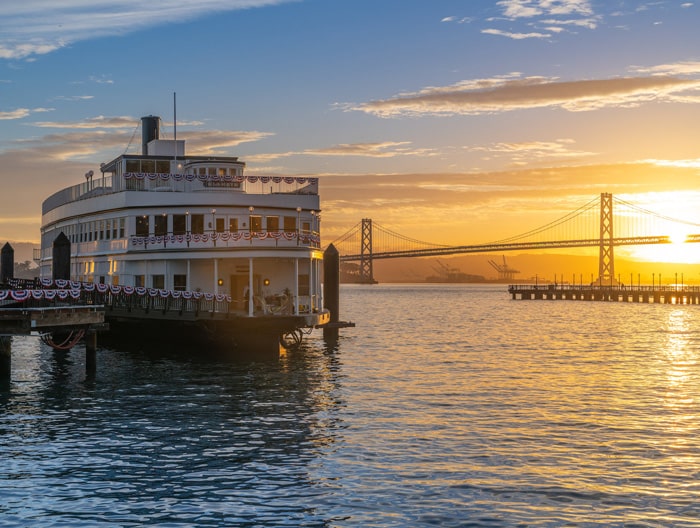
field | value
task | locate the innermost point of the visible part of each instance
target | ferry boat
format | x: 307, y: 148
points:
x: 166, y: 224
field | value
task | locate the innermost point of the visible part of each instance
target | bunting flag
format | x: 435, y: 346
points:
x: 52, y: 289
x: 152, y: 176
x: 225, y: 237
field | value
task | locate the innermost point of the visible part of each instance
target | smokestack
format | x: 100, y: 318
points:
x: 150, y: 127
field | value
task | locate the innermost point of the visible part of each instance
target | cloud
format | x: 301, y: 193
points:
x: 385, y: 149
x: 20, y: 113
x: 36, y: 27
x: 515, y: 36
x: 532, y: 8
x: 507, y: 93
x: 529, y: 152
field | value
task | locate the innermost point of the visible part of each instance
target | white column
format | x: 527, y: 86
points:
x: 216, y: 275
x: 312, y: 284
x: 251, y: 301
x: 296, y: 286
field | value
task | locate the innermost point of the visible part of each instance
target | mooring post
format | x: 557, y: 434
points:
x: 7, y: 263
x: 90, y: 351
x: 5, y: 359
x: 331, y: 289
x: 61, y: 258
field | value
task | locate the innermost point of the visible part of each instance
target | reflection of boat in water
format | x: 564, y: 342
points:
x: 447, y: 274
x: 171, y: 226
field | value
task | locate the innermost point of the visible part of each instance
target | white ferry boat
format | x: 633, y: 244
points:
x: 166, y: 224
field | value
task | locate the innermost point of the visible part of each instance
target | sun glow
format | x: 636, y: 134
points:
x: 671, y: 205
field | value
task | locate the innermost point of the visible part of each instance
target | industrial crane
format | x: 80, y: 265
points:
x: 505, y: 273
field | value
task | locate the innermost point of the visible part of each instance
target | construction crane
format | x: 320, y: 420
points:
x: 505, y: 273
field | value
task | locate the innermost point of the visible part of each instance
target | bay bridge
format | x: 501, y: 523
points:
x: 603, y: 222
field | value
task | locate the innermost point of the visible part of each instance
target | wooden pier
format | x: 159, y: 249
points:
x: 671, y: 294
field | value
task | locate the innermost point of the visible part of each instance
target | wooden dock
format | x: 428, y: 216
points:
x: 671, y: 294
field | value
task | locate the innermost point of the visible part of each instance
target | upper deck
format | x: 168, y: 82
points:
x: 181, y: 183
x: 163, y: 167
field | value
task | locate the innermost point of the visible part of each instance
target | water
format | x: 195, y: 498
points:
x: 445, y: 406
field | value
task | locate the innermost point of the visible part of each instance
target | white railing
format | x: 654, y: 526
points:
x: 163, y: 182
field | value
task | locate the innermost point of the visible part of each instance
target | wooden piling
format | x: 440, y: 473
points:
x: 5, y: 359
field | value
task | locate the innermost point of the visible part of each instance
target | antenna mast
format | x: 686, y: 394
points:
x: 175, y: 126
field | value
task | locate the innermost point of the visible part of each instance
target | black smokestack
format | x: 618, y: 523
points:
x: 150, y: 126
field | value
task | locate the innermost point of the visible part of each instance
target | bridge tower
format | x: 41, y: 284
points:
x: 606, y: 264
x: 366, y: 272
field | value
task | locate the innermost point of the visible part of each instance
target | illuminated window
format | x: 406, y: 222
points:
x: 142, y: 225
x: 220, y: 225
x: 290, y: 223
x: 273, y: 223
x: 179, y: 224
x: 255, y: 223
x: 233, y: 225
x: 197, y: 224
x: 160, y: 225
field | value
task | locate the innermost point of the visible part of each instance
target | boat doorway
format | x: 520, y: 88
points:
x: 239, y: 289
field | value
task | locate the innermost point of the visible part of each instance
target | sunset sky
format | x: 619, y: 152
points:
x: 455, y: 121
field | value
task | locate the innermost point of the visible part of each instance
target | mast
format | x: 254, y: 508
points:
x: 175, y: 125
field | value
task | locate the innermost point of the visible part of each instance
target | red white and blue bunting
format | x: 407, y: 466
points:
x: 152, y: 176
x: 226, y: 237
x: 65, y: 289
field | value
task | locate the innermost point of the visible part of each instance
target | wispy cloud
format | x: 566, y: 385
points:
x: 528, y: 152
x: 82, y: 140
x: 37, y: 27
x: 507, y: 93
x: 516, y: 36
x: 385, y: 149
x: 542, y: 18
x: 20, y: 113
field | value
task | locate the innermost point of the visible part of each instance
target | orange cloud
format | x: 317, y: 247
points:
x: 503, y: 94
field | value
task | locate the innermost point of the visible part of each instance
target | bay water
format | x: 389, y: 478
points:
x: 447, y: 405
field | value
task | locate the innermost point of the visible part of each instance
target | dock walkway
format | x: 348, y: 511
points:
x: 671, y: 294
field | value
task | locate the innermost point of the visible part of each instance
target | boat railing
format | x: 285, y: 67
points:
x: 159, y: 182
x: 41, y: 293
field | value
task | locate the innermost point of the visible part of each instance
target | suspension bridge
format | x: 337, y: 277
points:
x: 603, y: 222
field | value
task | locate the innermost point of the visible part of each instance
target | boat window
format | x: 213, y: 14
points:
x: 158, y: 281
x: 179, y: 224
x: 163, y: 166
x: 255, y: 223
x: 101, y: 230
x: 122, y: 222
x: 220, y: 225
x: 233, y: 225
x: 222, y: 171
x: 197, y: 224
x: 212, y: 171
x: 139, y: 281
x: 272, y: 223
x: 148, y: 166
x: 133, y: 166
x: 306, y: 227
x: 179, y: 282
x: 303, y: 285
x: 142, y: 225
x: 108, y: 229
x: 290, y: 223
x: 160, y: 225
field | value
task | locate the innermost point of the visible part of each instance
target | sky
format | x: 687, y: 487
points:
x: 451, y: 121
